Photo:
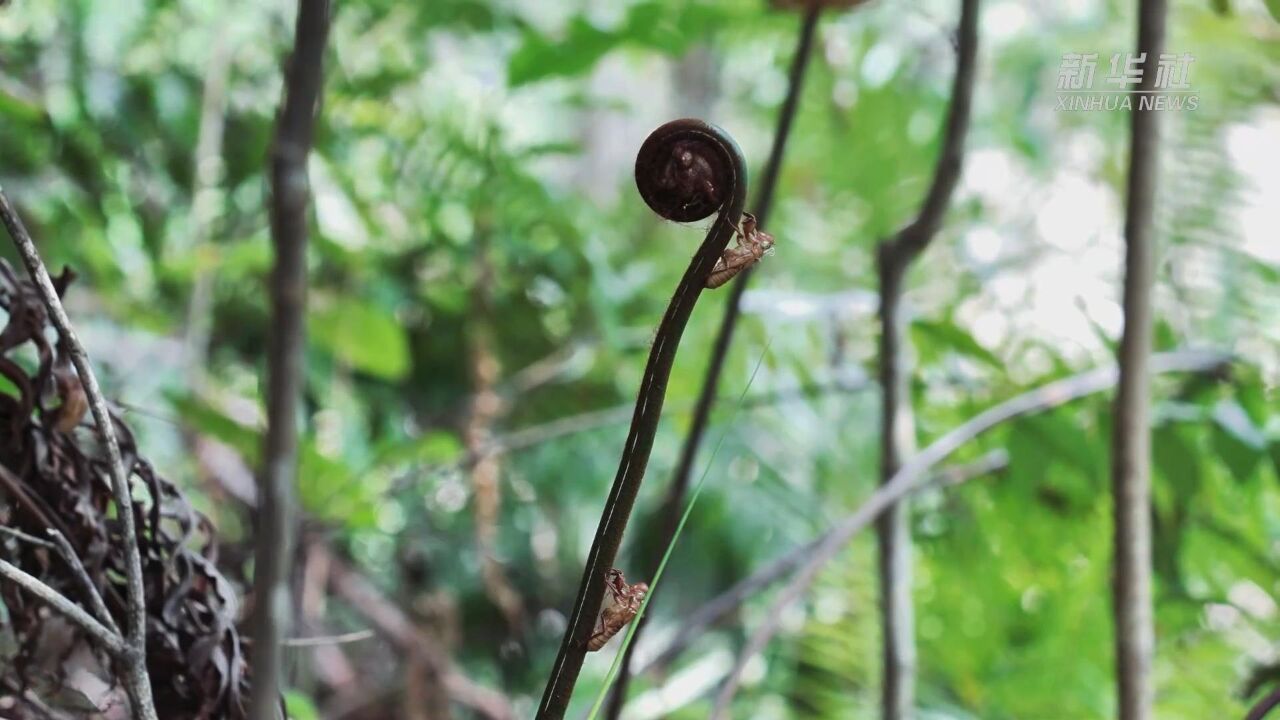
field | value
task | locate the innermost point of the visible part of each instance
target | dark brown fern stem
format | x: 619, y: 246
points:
x: 1264, y: 706
x: 667, y: 515
x: 685, y: 171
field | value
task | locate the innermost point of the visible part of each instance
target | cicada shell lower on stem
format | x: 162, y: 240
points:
x: 621, y: 603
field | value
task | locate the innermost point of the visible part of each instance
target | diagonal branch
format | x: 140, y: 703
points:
x: 109, y: 640
x: 87, y: 587
x: 134, y: 663
x: 714, y: 610
x: 911, y: 477
x: 290, y: 196
x: 1264, y: 706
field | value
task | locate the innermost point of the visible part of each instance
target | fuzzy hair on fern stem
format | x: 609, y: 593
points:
x: 685, y: 171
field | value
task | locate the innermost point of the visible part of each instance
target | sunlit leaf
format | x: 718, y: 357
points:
x: 299, y: 706
x: 364, y: 336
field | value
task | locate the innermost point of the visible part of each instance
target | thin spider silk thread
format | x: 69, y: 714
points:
x: 662, y: 566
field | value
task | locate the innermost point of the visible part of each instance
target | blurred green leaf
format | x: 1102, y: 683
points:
x: 650, y: 25
x: 432, y: 448
x: 299, y: 706
x: 329, y: 490
x: 244, y: 440
x: 1236, y: 440
x: 1177, y: 460
x: 364, y: 336
x: 1273, y: 6
x: 7, y: 387
x: 19, y: 109
x: 930, y: 336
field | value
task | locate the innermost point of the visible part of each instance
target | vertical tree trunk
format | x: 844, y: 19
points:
x: 1131, y: 438
x: 897, y: 442
x: 897, y: 430
x: 290, y: 197
x: 486, y: 408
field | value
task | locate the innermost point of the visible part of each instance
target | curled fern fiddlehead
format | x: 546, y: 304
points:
x: 685, y: 171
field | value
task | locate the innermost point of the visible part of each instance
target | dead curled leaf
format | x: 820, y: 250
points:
x: 53, y: 477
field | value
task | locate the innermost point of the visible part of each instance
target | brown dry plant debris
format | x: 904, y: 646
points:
x: 54, y: 475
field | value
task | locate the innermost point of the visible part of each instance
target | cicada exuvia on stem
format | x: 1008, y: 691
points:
x: 752, y: 245
x: 621, y: 603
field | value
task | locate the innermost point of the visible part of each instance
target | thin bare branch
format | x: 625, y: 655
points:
x: 62, y: 547
x: 87, y: 587
x: 342, y: 639
x: 1131, y: 432
x: 110, y: 641
x: 911, y: 477
x: 134, y: 662
x: 290, y: 197
x: 32, y: 539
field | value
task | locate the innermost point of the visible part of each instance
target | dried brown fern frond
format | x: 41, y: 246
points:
x: 54, y: 475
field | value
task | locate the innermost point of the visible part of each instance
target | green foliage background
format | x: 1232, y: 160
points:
x: 458, y: 133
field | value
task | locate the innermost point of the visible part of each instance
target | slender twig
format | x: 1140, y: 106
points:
x: 133, y: 662
x: 897, y: 421
x: 290, y: 196
x: 342, y: 639
x: 910, y: 476
x: 87, y: 587
x: 1131, y: 432
x: 1264, y: 706
x: 715, y: 610
x: 109, y: 640
x: 30, y: 539
x: 685, y: 171
x: 667, y: 516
